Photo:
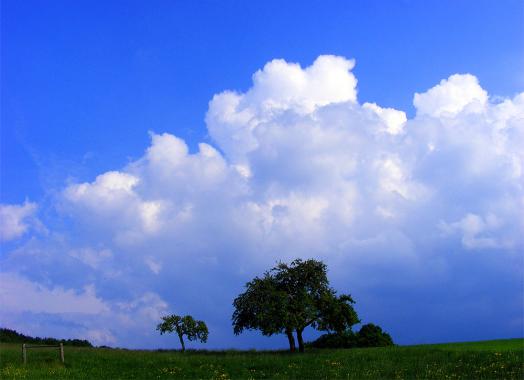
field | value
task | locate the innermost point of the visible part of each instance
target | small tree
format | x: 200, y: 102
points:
x: 193, y: 330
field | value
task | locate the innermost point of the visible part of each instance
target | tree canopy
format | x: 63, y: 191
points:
x: 290, y: 297
x: 371, y: 335
x: 186, y: 325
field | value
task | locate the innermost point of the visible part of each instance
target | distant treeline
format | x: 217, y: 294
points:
x: 12, y: 336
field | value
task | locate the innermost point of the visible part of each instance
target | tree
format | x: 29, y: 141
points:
x: 192, y: 329
x: 291, y: 297
x: 263, y: 307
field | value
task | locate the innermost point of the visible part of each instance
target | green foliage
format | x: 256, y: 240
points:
x: 337, y: 313
x: 12, y: 336
x: 291, y: 297
x: 371, y: 335
x: 184, y: 326
x: 346, y: 339
x: 262, y: 306
x: 504, y: 360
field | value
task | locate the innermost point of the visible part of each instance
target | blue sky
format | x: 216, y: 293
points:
x: 415, y: 202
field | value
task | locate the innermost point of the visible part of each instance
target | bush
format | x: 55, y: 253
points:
x: 347, y: 339
x: 371, y: 335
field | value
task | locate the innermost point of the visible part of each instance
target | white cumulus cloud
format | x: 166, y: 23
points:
x: 300, y: 169
x: 457, y: 93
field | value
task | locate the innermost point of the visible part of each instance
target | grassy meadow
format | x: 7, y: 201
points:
x: 498, y: 359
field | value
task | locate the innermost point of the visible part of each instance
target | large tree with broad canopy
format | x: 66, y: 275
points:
x: 290, y: 297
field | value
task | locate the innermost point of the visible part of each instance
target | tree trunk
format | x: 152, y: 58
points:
x: 300, y: 340
x: 182, y: 342
x: 291, y: 339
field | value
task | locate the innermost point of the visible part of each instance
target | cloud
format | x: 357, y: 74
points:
x: 37, y: 298
x: 111, y: 197
x: 478, y: 232
x: 15, y: 220
x: 394, y: 119
x: 453, y: 95
x: 301, y: 169
x: 92, y: 257
x: 279, y: 87
x: 81, y: 314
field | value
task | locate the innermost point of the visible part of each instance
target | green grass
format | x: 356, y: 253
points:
x: 485, y: 345
x: 501, y: 359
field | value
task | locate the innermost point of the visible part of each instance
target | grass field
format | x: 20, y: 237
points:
x: 498, y: 359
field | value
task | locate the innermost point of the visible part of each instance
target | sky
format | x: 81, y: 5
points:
x: 156, y: 157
